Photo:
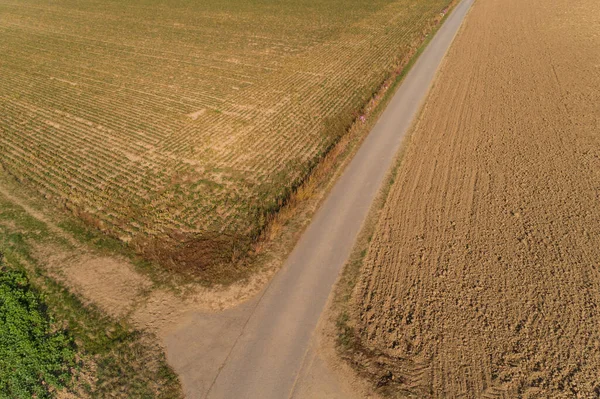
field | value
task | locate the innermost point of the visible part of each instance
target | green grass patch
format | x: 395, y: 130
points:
x: 100, y: 357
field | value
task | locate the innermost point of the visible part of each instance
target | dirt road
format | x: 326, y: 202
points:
x: 482, y: 279
x: 257, y: 350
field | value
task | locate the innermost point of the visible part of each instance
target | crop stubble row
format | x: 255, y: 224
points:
x: 483, y: 276
x: 151, y: 119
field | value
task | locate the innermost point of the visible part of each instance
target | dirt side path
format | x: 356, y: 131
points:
x: 483, y: 278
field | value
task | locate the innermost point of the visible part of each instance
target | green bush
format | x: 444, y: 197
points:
x: 35, y: 358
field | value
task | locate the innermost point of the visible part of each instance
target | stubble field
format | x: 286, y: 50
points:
x: 181, y: 126
x: 482, y: 279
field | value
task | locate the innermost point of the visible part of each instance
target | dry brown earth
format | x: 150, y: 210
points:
x: 483, y: 277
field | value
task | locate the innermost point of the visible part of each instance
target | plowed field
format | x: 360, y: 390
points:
x: 483, y: 276
x: 185, y: 119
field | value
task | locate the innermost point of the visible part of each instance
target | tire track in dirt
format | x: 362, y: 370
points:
x: 483, y: 271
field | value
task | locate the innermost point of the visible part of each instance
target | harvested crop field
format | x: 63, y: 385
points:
x: 482, y: 279
x: 179, y: 125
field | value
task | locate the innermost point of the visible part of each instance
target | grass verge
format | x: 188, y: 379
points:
x: 111, y: 359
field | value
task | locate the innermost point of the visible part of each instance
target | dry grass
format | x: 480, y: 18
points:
x: 185, y: 133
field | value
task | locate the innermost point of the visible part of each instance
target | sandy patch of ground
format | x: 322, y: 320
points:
x: 163, y: 310
x: 482, y: 279
x: 194, y: 115
x: 110, y: 283
x: 116, y: 287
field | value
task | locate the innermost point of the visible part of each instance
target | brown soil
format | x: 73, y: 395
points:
x: 482, y: 278
x: 110, y: 283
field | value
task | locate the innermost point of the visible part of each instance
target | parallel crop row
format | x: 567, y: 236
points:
x: 155, y: 119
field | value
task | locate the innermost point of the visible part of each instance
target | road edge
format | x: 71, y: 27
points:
x: 337, y: 338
